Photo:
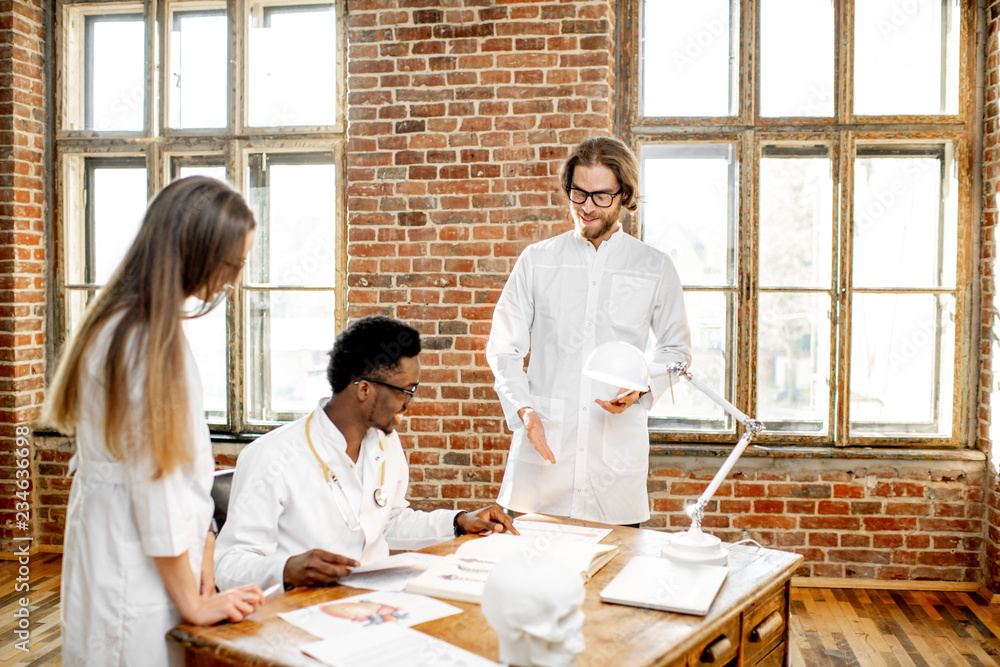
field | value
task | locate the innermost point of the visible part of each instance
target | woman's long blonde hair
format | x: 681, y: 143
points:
x: 191, y: 240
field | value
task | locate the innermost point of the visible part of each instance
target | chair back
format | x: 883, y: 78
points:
x: 221, y: 486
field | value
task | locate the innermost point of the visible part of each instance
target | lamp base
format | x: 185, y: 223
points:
x: 694, y: 546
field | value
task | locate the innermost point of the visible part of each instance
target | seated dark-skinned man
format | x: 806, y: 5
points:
x: 326, y: 493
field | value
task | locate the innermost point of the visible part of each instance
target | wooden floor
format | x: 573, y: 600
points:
x: 45, y: 646
x: 828, y: 626
x: 879, y: 627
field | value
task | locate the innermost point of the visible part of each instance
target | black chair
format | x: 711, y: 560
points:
x: 221, y: 486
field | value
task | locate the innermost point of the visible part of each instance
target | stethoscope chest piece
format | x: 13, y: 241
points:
x: 380, y: 497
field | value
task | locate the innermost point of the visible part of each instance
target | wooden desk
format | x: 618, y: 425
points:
x: 747, y: 624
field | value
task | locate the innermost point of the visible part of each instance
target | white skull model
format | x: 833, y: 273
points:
x: 533, y: 602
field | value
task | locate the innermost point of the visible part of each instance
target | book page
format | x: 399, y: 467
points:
x: 578, y: 555
x: 562, y: 530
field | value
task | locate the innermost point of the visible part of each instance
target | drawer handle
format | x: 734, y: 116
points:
x: 717, y: 649
x: 767, y: 627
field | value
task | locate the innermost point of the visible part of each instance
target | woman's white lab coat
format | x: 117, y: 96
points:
x: 281, y: 506
x: 115, y: 609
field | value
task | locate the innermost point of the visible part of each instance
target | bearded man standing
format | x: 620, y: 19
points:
x: 580, y: 448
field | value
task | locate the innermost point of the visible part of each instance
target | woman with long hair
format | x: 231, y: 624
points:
x: 138, y: 548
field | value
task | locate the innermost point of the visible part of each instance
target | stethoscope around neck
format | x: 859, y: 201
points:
x: 331, y: 479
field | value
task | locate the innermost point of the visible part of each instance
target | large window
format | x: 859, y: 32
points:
x: 246, y: 92
x: 807, y: 165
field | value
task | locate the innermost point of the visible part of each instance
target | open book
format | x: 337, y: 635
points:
x: 462, y: 575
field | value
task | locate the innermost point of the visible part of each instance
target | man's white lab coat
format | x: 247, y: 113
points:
x: 281, y: 506
x: 115, y: 608
x: 562, y: 300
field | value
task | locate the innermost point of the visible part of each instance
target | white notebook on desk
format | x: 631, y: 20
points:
x: 658, y: 583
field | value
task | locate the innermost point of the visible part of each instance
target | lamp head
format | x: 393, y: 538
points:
x: 619, y: 364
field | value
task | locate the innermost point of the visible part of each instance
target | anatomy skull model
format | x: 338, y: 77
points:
x: 533, y: 602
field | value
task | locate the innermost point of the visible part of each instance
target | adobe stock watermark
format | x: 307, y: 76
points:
x: 22, y: 522
x: 122, y: 107
x: 881, y: 201
x: 697, y: 44
x: 900, y: 13
x: 906, y: 350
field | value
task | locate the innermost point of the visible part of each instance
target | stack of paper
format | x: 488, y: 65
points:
x: 462, y: 576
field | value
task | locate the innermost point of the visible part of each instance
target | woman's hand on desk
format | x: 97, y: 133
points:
x: 233, y: 605
x: 317, y: 568
x: 197, y: 609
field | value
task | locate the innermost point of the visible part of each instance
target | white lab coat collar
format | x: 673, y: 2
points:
x: 613, y: 240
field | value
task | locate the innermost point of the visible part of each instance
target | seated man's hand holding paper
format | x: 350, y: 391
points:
x: 317, y: 568
x: 492, y: 519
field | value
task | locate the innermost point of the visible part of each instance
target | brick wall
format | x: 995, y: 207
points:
x: 989, y: 388
x: 22, y: 247
x: 460, y: 115
x: 904, y: 520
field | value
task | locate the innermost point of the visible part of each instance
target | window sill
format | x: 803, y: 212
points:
x: 807, y: 452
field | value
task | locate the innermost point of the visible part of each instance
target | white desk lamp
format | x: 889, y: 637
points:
x: 624, y: 365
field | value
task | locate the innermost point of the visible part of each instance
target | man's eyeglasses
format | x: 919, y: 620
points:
x: 409, y: 392
x: 600, y: 199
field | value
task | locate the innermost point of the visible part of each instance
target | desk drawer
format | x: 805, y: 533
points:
x: 776, y: 658
x: 764, y: 626
x: 721, y: 648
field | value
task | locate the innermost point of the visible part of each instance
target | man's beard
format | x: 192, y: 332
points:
x: 595, y: 231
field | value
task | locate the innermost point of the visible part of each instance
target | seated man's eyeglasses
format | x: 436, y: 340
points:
x: 409, y: 392
x: 601, y: 199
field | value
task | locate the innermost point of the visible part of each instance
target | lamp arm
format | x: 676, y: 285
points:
x: 698, y: 509
x: 680, y: 369
x: 751, y: 427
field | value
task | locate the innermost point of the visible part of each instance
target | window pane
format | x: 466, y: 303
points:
x: 690, y: 58
x: 117, y: 201
x: 710, y: 316
x: 115, y: 72
x: 77, y: 302
x: 796, y: 221
x: 297, y: 330
x: 796, y: 57
x: 216, y: 172
x: 902, y: 364
x: 207, y: 337
x: 906, y: 57
x: 198, y: 67
x: 296, y: 207
x: 689, y: 210
x: 793, y: 362
x: 905, y: 221
x: 292, y: 66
